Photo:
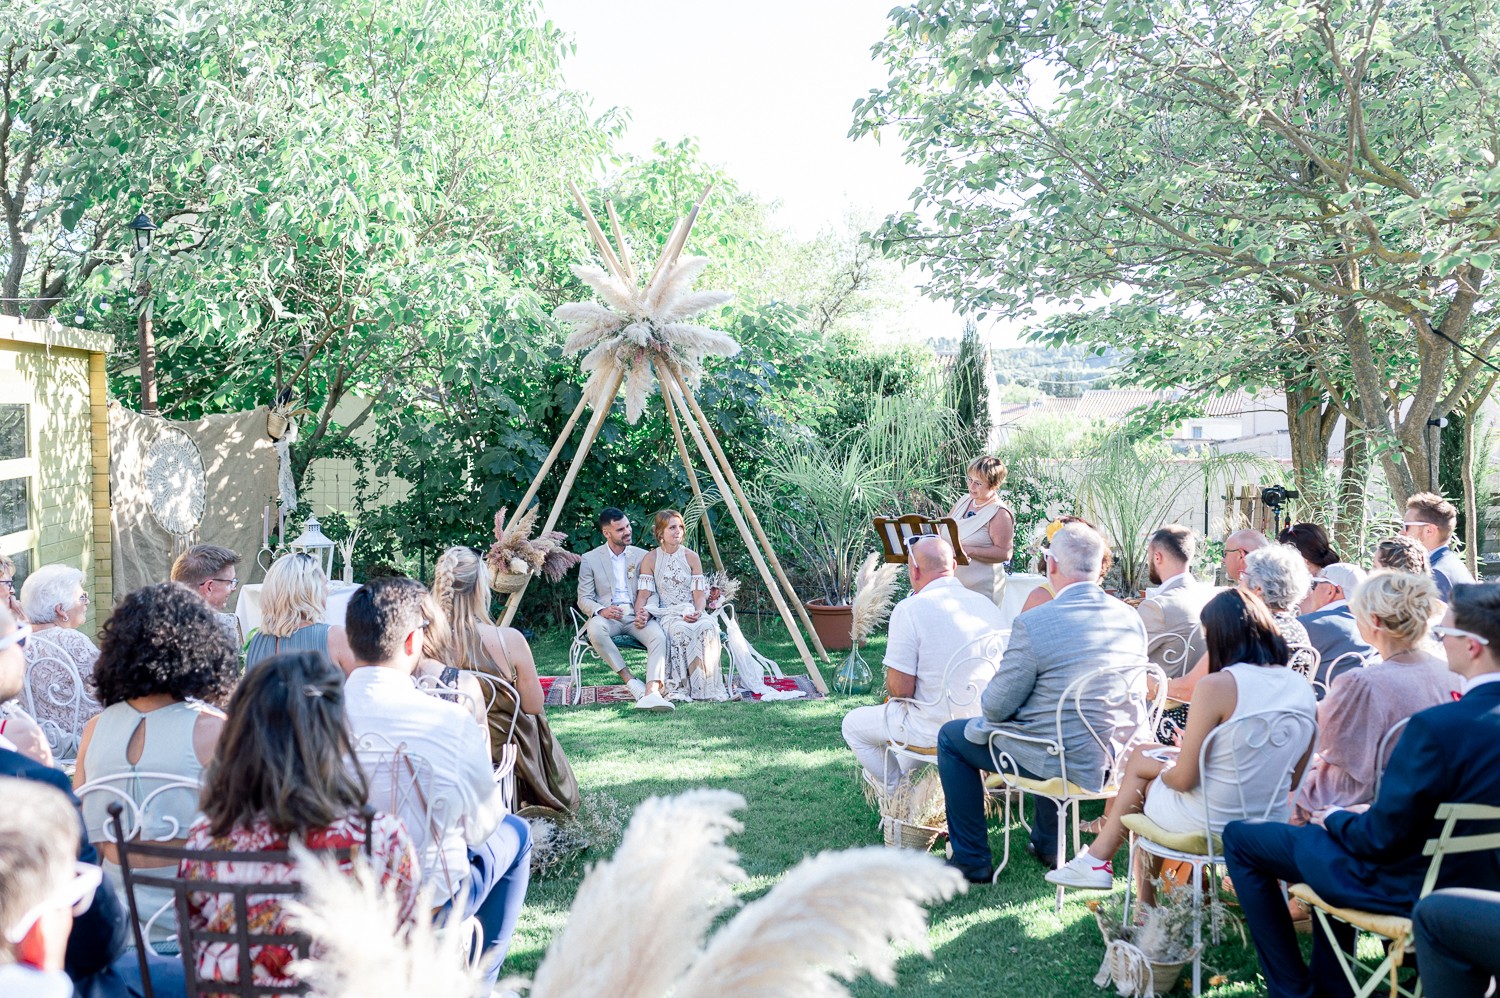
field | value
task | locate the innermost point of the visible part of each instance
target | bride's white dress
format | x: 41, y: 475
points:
x: 672, y: 584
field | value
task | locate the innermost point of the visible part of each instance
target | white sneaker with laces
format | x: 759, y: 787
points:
x: 636, y: 687
x: 654, y: 702
x: 1084, y: 872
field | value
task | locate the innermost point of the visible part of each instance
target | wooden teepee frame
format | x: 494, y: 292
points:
x: 682, y: 410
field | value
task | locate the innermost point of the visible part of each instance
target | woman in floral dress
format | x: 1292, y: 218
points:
x: 673, y: 590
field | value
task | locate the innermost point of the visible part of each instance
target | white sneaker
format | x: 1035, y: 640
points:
x: 636, y: 687
x: 654, y: 702
x: 1084, y: 872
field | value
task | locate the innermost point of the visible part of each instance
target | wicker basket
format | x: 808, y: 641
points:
x: 901, y: 834
x: 508, y: 582
x: 1126, y: 966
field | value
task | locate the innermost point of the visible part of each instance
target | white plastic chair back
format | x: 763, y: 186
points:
x: 402, y: 784
x: 951, y: 700
x: 55, y: 695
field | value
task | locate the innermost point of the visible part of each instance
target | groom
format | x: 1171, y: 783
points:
x: 606, y: 594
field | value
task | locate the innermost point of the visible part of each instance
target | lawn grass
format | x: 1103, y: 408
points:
x: 789, y: 762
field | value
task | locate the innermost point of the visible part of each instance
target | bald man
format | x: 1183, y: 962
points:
x: 1236, y: 546
x: 938, y: 619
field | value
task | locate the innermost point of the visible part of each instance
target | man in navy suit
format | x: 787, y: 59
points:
x: 1330, y: 623
x: 1431, y: 520
x: 1373, y: 861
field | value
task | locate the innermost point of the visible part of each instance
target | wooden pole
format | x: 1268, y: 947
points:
x: 687, y: 467
x: 601, y: 411
x: 611, y: 261
x: 730, y: 497
x: 614, y: 226
x: 536, y: 483
x: 760, y: 532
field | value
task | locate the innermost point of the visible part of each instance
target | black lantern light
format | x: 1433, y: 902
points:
x: 144, y: 229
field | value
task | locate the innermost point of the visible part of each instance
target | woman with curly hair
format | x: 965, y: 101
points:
x: 164, y: 662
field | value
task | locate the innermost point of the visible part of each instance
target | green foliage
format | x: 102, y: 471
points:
x: 969, y: 392
x: 1305, y: 194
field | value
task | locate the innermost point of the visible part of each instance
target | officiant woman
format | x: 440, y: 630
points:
x: 986, y: 529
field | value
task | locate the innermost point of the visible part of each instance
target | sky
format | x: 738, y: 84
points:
x: 767, y: 91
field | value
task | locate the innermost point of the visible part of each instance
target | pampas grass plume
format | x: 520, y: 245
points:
x: 875, y: 587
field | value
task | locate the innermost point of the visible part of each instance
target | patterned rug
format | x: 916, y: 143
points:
x: 559, y: 691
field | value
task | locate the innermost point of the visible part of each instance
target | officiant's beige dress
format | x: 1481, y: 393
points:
x: 974, y: 524
x: 672, y: 584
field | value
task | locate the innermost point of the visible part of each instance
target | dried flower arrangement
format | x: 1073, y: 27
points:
x: 722, y: 589
x: 559, y: 846
x: 516, y: 553
x: 1146, y: 958
x: 875, y: 589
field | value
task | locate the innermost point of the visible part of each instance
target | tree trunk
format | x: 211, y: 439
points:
x: 1304, y: 418
x: 1350, y: 501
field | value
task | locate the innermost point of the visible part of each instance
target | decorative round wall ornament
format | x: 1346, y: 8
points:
x: 175, y: 481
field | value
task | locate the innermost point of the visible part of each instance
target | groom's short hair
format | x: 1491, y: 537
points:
x: 608, y: 515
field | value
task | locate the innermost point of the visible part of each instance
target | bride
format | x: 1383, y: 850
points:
x: 672, y: 589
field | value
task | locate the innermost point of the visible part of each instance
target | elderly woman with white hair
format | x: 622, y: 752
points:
x: 59, y: 658
x: 293, y: 601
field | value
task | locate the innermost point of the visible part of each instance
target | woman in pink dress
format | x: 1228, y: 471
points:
x: 284, y: 772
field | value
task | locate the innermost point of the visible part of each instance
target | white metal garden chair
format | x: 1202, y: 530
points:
x: 55, y: 694
x: 1322, y: 679
x: 582, y: 647
x: 1283, y: 735
x: 145, y: 800
x: 1394, y: 928
x: 953, y: 701
x: 1177, y: 652
x: 1118, y: 707
x: 1386, y: 749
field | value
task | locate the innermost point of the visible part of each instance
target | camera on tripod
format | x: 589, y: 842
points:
x: 1275, y: 496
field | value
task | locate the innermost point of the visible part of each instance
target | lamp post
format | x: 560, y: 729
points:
x: 143, y: 229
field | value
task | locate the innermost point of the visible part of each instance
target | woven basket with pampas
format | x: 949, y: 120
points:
x: 516, y: 556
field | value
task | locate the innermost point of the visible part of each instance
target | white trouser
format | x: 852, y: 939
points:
x: 601, y: 629
x: 868, y: 729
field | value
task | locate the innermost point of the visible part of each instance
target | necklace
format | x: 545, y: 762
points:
x: 980, y: 505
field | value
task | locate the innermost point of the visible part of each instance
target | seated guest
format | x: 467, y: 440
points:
x: 434, y: 671
x: 986, y: 530
x: 21, y: 730
x: 672, y: 590
x: 545, y: 784
x: 293, y: 601
x: 97, y: 959
x: 1277, y: 574
x: 1373, y: 861
x: 1237, y: 547
x: 941, y: 617
x: 209, y: 571
x: 1312, y: 542
x: 1431, y: 520
x: 1080, y: 631
x: 1456, y: 931
x: 606, y: 595
x: 1170, y: 611
x: 281, y: 775
x: 385, y: 633
x: 1402, y: 554
x: 1330, y: 624
x: 59, y: 658
x: 163, y: 654
x: 1393, y: 611
x: 1247, y: 675
x: 41, y: 886
x: 1043, y: 593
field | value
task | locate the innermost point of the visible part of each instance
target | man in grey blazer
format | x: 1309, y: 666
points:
x: 1174, y: 633
x: 607, y: 578
x: 1080, y: 631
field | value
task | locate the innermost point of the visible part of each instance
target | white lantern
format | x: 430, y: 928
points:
x: 312, y: 541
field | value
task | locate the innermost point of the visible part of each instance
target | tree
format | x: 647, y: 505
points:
x: 1326, y: 175
x: 969, y: 392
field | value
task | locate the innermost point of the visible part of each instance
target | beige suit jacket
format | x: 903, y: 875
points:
x: 1174, y: 632
x: 596, y: 577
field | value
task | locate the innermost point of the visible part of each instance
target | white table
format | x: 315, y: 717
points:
x: 248, y: 608
x: 1017, y: 588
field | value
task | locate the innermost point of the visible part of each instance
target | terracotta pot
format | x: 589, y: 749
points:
x: 832, y: 623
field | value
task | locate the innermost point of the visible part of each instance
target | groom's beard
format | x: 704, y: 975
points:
x: 1154, y: 575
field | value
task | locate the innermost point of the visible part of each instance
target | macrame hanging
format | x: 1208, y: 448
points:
x: 175, y: 484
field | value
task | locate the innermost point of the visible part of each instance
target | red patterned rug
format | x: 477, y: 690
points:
x: 559, y: 691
